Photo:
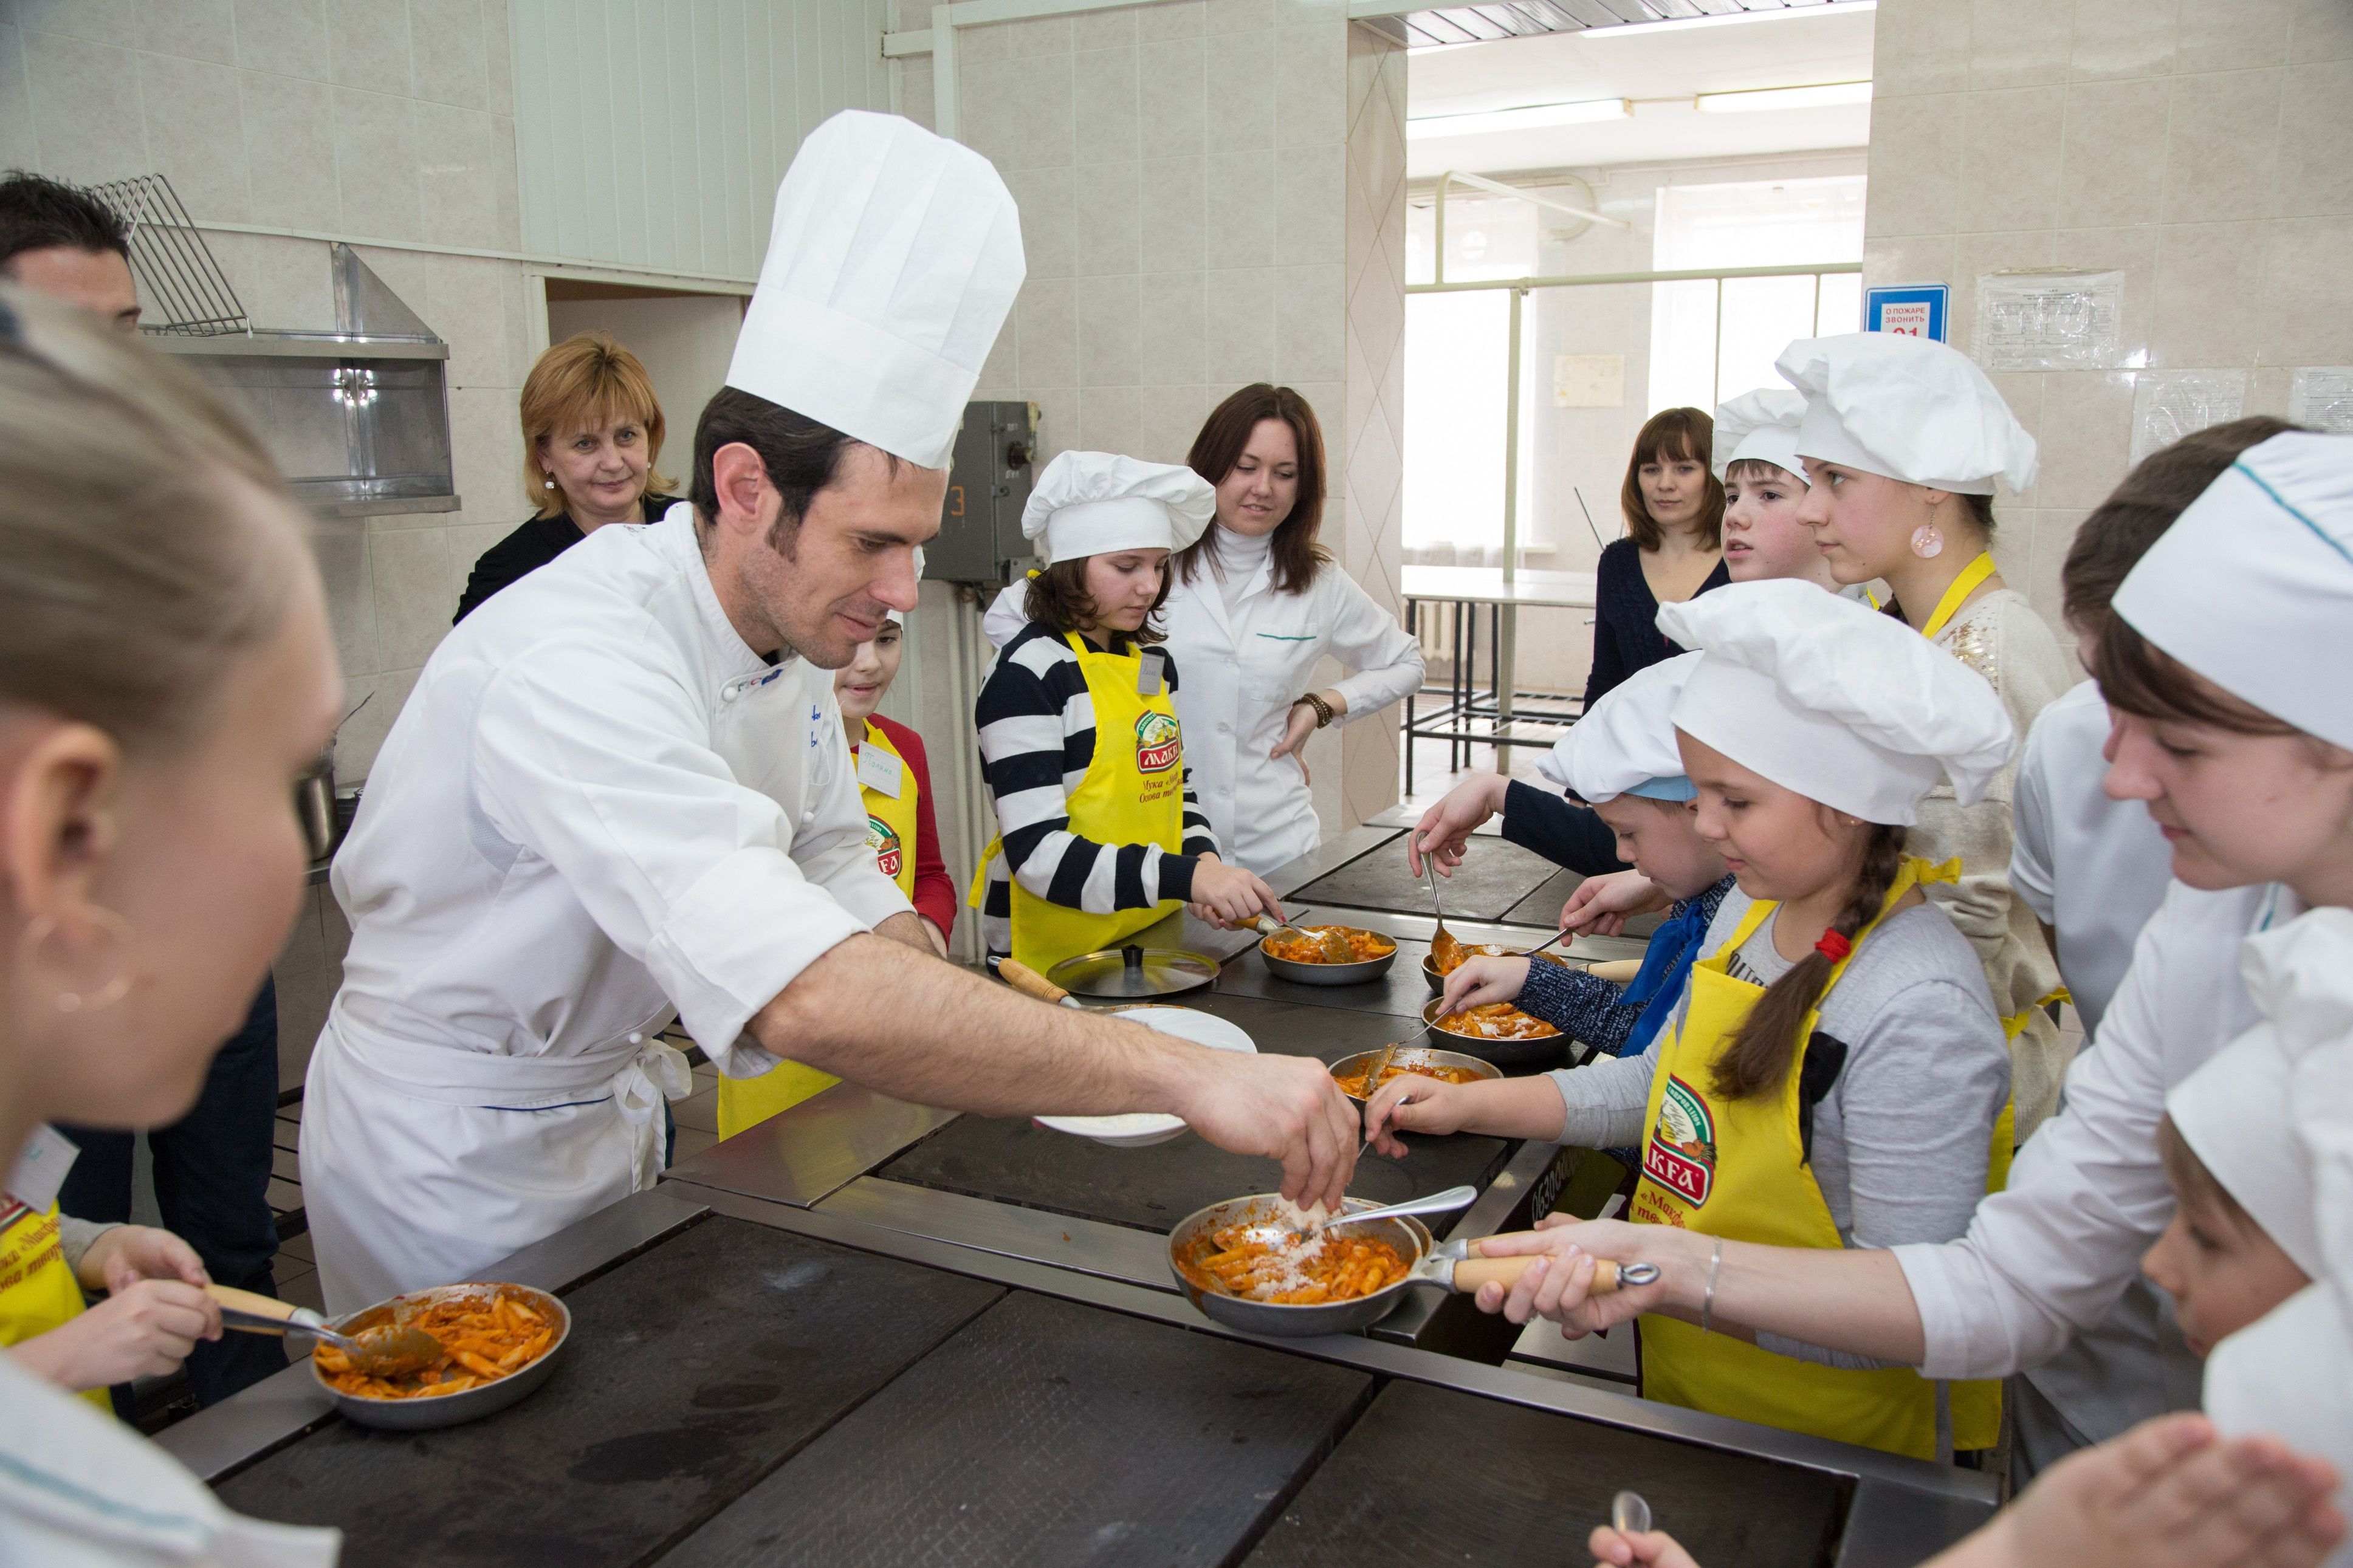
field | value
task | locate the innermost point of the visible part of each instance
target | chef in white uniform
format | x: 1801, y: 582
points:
x: 2249, y: 592
x: 1253, y: 609
x: 620, y: 794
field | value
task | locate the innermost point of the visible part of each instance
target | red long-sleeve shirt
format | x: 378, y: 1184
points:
x: 936, y: 896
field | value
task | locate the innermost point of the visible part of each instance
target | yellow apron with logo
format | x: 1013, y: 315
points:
x: 1736, y: 1169
x: 38, y: 1291
x: 1133, y: 792
x: 890, y: 834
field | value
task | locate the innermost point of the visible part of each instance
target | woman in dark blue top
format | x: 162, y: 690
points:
x: 1673, y: 548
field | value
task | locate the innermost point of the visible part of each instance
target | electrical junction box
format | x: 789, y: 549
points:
x: 989, y: 477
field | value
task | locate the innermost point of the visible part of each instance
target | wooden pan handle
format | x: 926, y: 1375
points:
x: 253, y: 1305
x: 1030, y: 982
x: 1469, y: 1273
x: 1618, y: 971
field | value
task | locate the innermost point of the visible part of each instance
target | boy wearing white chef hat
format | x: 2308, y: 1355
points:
x: 621, y: 793
x: 1763, y: 480
x: 1835, y: 1075
x: 1080, y: 693
x: 1904, y: 440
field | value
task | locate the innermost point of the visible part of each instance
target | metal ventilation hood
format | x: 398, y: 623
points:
x: 1440, y: 27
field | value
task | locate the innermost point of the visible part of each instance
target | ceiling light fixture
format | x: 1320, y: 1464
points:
x: 1677, y: 24
x: 1829, y: 95
x: 1534, y: 117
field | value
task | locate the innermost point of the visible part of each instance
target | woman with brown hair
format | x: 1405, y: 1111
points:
x: 1673, y: 548
x: 592, y: 432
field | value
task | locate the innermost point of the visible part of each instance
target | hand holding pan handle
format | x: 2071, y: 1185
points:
x: 1609, y: 1277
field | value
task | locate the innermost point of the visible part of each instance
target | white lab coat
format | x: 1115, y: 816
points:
x: 78, y: 1490
x: 2048, y: 1258
x: 599, y: 810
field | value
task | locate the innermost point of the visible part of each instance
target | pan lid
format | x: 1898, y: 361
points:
x: 1133, y: 971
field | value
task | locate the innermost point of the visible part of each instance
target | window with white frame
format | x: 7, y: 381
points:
x: 1706, y: 347
x: 1456, y: 358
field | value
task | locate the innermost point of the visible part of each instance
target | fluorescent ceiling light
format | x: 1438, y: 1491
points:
x: 1829, y: 95
x: 1535, y: 117
x: 1677, y: 24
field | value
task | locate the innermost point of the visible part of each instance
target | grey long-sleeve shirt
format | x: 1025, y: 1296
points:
x: 1902, y: 1139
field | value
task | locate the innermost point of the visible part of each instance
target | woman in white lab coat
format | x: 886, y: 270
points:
x: 2208, y: 659
x: 1255, y: 606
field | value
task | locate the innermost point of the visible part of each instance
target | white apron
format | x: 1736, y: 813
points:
x: 598, y: 810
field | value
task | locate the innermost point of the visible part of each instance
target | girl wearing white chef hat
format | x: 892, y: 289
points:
x: 1904, y: 440
x: 1100, y: 833
x: 1835, y: 1075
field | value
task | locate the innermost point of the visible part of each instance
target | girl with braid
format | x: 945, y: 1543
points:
x: 1834, y: 1073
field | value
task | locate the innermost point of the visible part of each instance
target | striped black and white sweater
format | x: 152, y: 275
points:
x: 1037, y: 729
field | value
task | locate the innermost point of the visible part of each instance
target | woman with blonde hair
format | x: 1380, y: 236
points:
x: 166, y: 676
x: 592, y: 431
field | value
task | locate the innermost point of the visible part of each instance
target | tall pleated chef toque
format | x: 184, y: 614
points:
x: 893, y: 259
x: 1910, y: 408
x: 1090, y: 503
x: 2253, y: 586
x: 2290, y: 1373
x: 1625, y: 744
x: 1761, y: 426
x: 1845, y: 706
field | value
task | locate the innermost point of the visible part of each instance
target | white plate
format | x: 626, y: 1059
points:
x: 1140, y: 1129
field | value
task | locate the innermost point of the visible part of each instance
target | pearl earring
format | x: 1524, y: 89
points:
x: 1927, y: 541
x: 547, y: 484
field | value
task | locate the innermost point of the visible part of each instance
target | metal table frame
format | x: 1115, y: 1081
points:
x: 1471, y: 716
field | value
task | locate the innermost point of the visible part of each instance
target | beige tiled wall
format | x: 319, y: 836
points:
x: 2199, y: 147
x: 1184, y: 172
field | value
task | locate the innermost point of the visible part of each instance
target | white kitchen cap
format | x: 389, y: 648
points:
x: 2289, y: 1375
x: 1910, y: 408
x: 2238, y: 1112
x: 894, y: 258
x: 1760, y: 427
x: 1625, y: 744
x: 2253, y: 586
x: 1090, y: 503
x: 1008, y: 613
x: 1844, y: 705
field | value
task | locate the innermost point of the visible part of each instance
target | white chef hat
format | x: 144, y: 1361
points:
x: 1911, y: 408
x: 2289, y: 1375
x: 2237, y: 1113
x: 1087, y: 503
x: 2253, y: 586
x: 1845, y: 706
x: 894, y: 258
x: 1625, y: 744
x: 1760, y: 427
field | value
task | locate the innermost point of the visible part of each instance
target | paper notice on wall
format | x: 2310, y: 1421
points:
x: 2050, y: 321
x: 1589, y: 380
x: 2169, y: 403
x: 2322, y: 397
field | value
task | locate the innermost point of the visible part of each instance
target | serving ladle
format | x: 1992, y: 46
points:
x: 1442, y: 942
x: 391, y: 1350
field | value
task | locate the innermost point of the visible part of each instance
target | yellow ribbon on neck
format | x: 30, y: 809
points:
x: 1974, y: 574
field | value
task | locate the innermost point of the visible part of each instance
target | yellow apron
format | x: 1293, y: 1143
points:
x: 1736, y: 1169
x: 38, y: 1291
x: 890, y: 834
x: 1962, y: 586
x: 1133, y: 792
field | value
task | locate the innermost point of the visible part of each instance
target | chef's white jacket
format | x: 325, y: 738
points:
x: 2091, y: 869
x: 2049, y: 1255
x: 598, y: 810
x: 1243, y: 670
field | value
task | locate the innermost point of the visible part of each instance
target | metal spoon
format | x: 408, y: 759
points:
x: 1441, y: 940
x: 1447, y: 1202
x: 1629, y: 1515
x: 392, y: 1349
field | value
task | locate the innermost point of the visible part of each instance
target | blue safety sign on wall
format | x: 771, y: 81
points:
x: 1916, y: 310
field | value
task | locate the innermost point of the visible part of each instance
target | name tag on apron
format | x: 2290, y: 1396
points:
x: 41, y: 1168
x: 1148, y: 671
x: 879, y: 770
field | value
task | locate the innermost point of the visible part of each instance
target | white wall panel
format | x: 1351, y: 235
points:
x: 654, y: 131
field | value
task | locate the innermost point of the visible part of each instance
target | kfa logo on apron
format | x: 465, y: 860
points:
x: 885, y: 845
x: 1682, y: 1155
x: 1156, y: 745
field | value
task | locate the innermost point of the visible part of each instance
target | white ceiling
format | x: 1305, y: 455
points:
x: 1665, y: 65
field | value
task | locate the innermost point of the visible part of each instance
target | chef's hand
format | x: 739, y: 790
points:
x: 1286, y: 1107
x: 1602, y: 905
x: 1444, y: 830
x: 2170, y: 1493
x: 1554, y: 1286
x: 1230, y: 896
x: 125, y: 1254
x: 1412, y: 1103
x: 145, y: 1330
x: 1648, y: 1548
x: 1476, y: 981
